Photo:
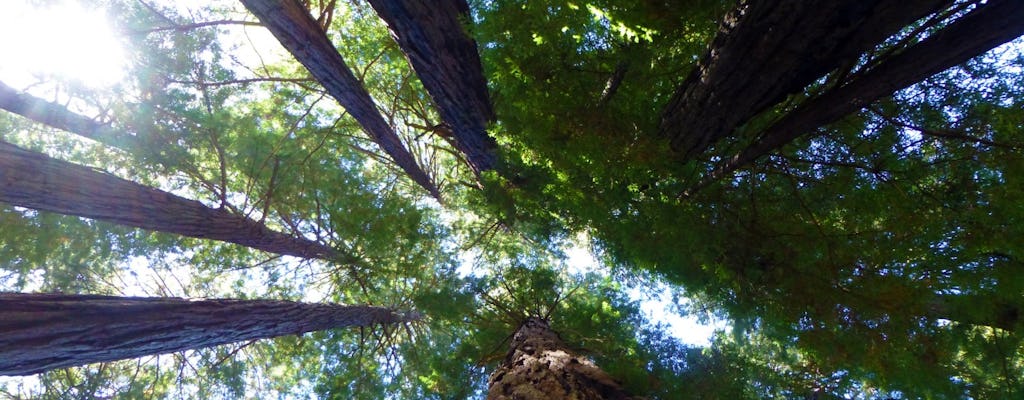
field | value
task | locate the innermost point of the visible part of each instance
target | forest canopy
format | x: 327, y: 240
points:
x: 838, y: 181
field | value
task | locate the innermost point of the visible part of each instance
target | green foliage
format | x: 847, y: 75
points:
x: 877, y: 258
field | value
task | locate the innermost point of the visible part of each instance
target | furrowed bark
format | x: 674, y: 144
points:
x: 432, y: 36
x: 298, y: 32
x: 767, y: 50
x: 986, y: 27
x: 540, y: 366
x: 33, y: 180
x: 40, y: 332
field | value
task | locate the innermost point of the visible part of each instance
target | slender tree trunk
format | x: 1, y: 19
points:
x: 33, y: 180
x: 59, y: 117
x: 432, y: 35
x: 986, y: 27
x: 298, y: 32
x: 540, y: 366
x: 767, y: 50
x: 40, y: 332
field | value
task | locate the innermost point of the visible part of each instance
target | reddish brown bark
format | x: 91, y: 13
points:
x: 767, y: 50
x: 33, y: 180
x: 40, y: 332
x: 298, y: 32
x: 989, y: 25
x: 431, y: 34
x: 540, y: 366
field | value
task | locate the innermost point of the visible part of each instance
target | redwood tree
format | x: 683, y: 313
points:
x: 868, y: 228
x: 767, y: 50
x: 982, y: 29
x: 540, y: 366
x: 433, y: 35
x: 298, y: 32
x: 40, y: 332
x: 33, y: 180
x: 872, y: 231
x: 59, y: 117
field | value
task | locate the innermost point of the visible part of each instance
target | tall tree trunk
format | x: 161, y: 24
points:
x: 32, y: 180
x: 40, y: 332
x: 987, y: 26
x: 298, y: 32
x: 432, y: 35
x: 540, y: 366
x: 767, y: 50
x: 59, y: 117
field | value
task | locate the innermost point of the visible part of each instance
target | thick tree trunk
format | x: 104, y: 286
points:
x: 767, y: 50
x: 431, y: 33
x: 40, y: 332
x: 298, y: 32
x: 986, y: 27
x: 540, y: 366
x: 33, y: 180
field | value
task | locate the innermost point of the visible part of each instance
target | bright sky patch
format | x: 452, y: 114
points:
x: 61, y: 39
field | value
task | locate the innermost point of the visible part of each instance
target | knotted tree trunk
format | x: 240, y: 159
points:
x: 540, y: 366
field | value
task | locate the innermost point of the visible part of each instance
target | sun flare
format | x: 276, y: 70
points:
x: 60, y: 39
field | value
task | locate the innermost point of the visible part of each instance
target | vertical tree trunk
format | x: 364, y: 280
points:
x: 540, y: 366
x: 40, y: 332
x: 33, y: 180
x: 298, y: 32
x: 432, y: 35
x: 766, y: 50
